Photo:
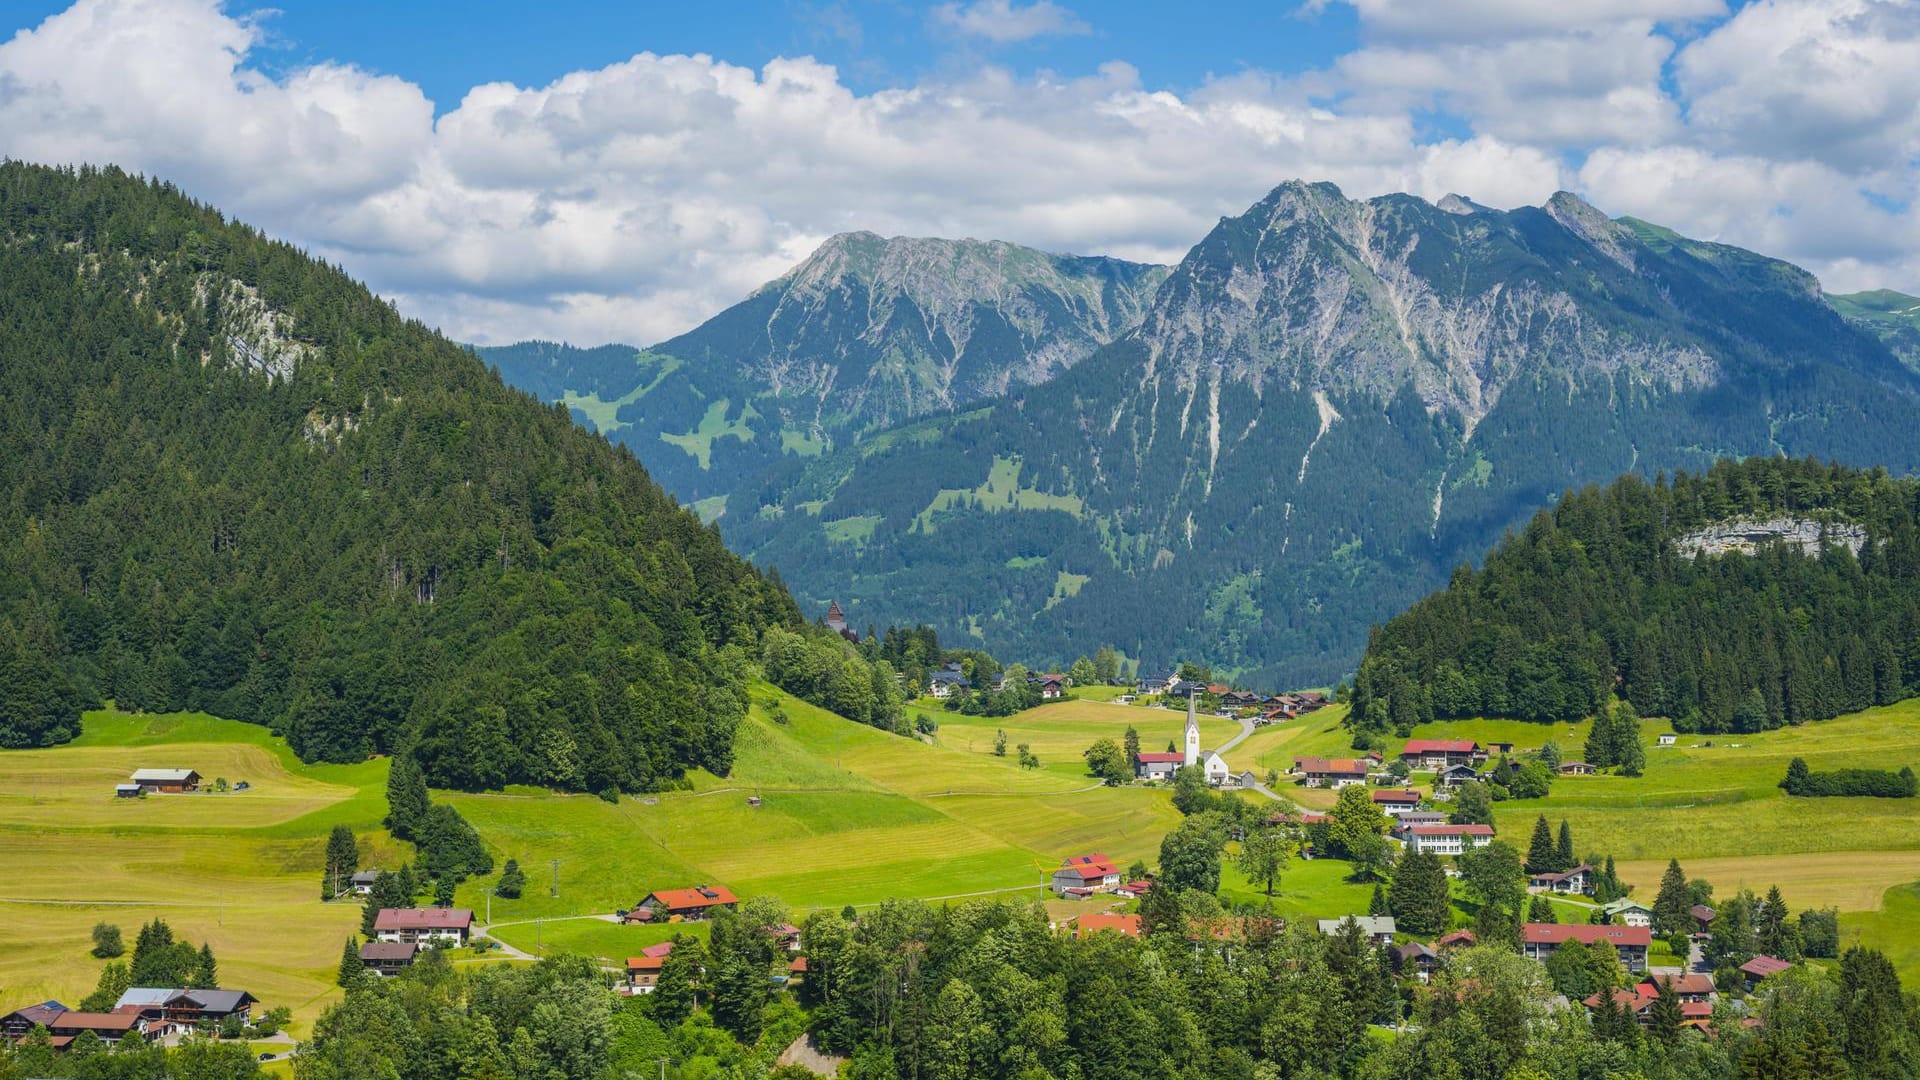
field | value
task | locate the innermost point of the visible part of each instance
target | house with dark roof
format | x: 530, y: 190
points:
x: 1454, y: 775
x: 945, y: 684
x: 388, y: 958
x: 1155, y: 684
x: 166, y: 781
x: 691, y: 905
x: 1437, y: 754
x: 169, y: 1009
x: 1538, y: 941
x: 109, y: 1027
x: 1761, y: 968
x: 19, y: 1023
x: 1417, y: 960
x: 1575, y: 882
x: 1702, y: 917
x: 441, y: 926
x: 1576, y: 768
x: 1084, y: 875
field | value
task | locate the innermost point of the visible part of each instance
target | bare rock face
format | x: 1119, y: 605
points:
x: 1749, y: 535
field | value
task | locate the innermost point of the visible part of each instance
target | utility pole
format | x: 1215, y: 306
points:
x: 556, y: 878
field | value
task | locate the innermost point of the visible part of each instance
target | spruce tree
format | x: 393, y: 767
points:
x: 1540, y: 910
x: 350, y: 968
x: 1542, y: 857
x: 1377, y: 906
x: 342, y: 861
x: 1672, y: 903
x: 1628, y: 753
x: 1664, y: 1014
x: 206, y: 973
x: 407, y: 800
x: 1599, y: 750
x: 1563, y: 852
x: 512, y: 881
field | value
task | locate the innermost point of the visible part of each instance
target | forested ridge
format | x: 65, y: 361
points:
x: 1595, y: 596
x: 234, y: 480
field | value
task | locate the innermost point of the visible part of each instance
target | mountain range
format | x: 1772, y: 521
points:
x: 864, y: 335
x: 1325, y: 407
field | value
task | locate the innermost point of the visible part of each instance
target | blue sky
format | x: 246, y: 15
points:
x: 447, y: 46
x: 595, y: 170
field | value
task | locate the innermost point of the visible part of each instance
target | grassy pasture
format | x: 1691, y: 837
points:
x: 849, y: 814
x: 240, y: 870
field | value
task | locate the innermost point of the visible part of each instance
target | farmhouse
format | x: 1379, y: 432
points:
x: 171, y: 1009
x: 1576, y: 768
x: 1128, y: 925
x: 1218, y: 774
x: 1157, y: 765
x: 444, y: 926
x: 1333, y: 773
x: 1761, y: 968
x: 692, y: 904
x: 1052, y: 687
x: 166, y: 781
x: 1396, y: 803
x: 643, y: 971
x: 1379, y: 929
x: 1417, y: 959
x: 1627, y: 912
x: 1084, y: 875
x: 361, y: 883
x: 1455, y: 775
x: 1446, y: 839
x: 1458, y: 939
x: 388, y: 957
x: 1154, y: 684
x: 1437, y: 754
x: 1575, y: 882
x: 1540, y: 940
x: 110, y: 1027
x: 1239, y: 699
x: 944, y: 684
x: 1666, y: 738
x: 1702, y: 916
x: 21, y: 1022
x: 1687, y: 985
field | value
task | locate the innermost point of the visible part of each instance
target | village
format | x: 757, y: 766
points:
x: 1418, y: 799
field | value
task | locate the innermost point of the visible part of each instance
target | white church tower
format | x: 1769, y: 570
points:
x: 1193, y: 729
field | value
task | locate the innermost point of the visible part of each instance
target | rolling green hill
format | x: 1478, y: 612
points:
x: 867, y: 333
x: 236, y: 481
x: 1329, y: 405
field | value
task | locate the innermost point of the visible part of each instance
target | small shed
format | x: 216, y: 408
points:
x: 127, y: 791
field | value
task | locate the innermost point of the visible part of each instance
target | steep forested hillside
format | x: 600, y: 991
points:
x: 1329, y: 405
x: 1758, y: 594
x: 867, y: 333
x: 231, y: 479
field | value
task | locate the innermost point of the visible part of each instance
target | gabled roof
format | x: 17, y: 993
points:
x: 156, y: 997
x: 1562, y: 875
x: 164, y: 776
x: 1625, y: 903
x: 41, y: 1013
x: 651, y: 958
x: 1439, y: 746
x: 96, y: 1021
x: 1457, y: 937
x: 1089, y: 867
x: 1158, y: 758
x: 1701, y: 912
x: 1761, y: 967
x: 1384, y: 795
x: 948, y: 677
x: 389, y: 950
x: 1369, y: 924
x: 1451, y: 830
x: 1561, y: 933
x: 1331, y: 766
x: 423, y: 919
x: 1686, y: 982
x: 1117, y: 924
x: 700, y: 896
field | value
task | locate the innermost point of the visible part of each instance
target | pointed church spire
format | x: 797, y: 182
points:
x: 1193, y: 728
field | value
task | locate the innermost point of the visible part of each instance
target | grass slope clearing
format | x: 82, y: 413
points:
x: 238, y: 870
x: 1058, y: 733
x: 849, y: 815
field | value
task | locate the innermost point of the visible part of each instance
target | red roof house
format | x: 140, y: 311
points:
x: 423, y: 924
x: 1539, y: 940
x: 695, y: 903
x: 1113, y: 924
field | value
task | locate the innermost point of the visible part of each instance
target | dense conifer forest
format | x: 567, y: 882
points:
x: 1600, y: 595
x: 232, y: 479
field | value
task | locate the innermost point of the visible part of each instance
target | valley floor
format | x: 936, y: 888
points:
x: 846, y: 815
